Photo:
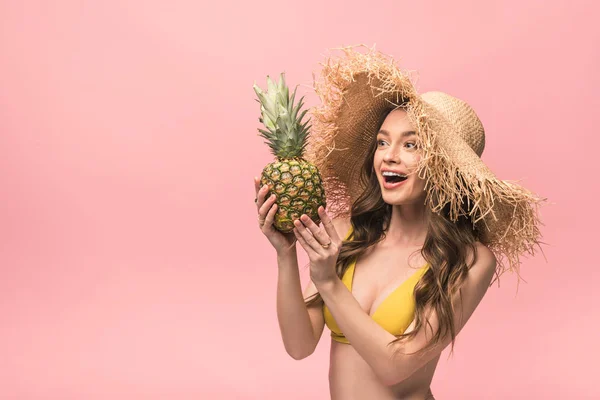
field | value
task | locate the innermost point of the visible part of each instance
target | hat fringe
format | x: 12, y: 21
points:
x: 488, y: 198
x: 337, y: 74
x: 508, y: 237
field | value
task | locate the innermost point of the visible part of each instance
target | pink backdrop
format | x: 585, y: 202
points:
x: 132, y: 264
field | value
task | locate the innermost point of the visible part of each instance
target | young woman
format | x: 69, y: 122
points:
x: 418, y: 230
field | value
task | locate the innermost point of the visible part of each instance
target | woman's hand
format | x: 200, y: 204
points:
x: 322, y: 246
x: 282, y: 242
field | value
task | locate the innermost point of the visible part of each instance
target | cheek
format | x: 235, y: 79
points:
x: 376, y: 157
x: 418, y: 183
x: 412, y: 160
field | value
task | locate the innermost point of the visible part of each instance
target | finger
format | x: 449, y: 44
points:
x: 260, y: 196
x: 309, y: 250
x: 264, y: 208
x: 309, y: 238
x: 319, y: 234
x: 270, y: 217
x: 256, y: 184
x: 328, y: 225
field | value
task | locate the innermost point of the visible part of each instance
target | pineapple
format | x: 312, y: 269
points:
x: 296, y: 183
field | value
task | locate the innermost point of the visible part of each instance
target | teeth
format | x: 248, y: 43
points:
x: 388, y: 173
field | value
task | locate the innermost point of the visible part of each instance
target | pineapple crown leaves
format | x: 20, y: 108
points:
x: 286, y: 134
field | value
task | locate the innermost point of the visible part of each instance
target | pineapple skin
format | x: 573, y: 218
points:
x: 298, y: 187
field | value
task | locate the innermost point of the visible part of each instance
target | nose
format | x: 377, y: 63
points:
x: 392, y: 155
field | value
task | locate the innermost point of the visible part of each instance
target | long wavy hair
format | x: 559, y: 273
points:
x: 445, y: 249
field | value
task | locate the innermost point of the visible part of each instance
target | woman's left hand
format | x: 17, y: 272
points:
x: 312, y: 238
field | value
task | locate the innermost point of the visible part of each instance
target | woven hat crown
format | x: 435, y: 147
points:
x: 465, y: 123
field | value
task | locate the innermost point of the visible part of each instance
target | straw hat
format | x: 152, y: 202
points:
x: 356, y: 92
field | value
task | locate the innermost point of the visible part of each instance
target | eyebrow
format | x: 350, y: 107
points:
x: 403, y: 134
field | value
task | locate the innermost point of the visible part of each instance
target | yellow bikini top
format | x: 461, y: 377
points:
x: 394, y: 314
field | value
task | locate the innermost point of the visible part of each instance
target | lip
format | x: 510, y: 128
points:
x: 390, y: 186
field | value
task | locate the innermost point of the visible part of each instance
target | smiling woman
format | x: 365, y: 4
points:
x: 415, y: 230
x: 404, y: 146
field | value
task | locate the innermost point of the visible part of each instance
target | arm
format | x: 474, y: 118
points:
x: 370, y: 340
x: 300, y: 327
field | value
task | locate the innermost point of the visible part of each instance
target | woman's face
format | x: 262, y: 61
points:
x: 396, y: 151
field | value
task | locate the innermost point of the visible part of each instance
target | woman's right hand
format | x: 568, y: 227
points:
x: 282, y: 242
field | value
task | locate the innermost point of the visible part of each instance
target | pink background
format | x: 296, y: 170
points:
x: 132, y: 264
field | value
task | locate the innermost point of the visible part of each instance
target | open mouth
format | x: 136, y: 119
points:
x: 394, y: 179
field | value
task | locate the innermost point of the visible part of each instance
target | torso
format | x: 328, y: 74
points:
x: 375, y: 277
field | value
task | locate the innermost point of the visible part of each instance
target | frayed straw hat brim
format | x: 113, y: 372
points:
x: 356, y: 91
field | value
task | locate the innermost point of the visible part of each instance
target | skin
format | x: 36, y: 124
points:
x: 366, y: 368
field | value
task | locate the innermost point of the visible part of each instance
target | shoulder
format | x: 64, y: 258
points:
x: 481, y: 273
x: 484, y: 263
x: 475, y: 286
x: 464, y: 303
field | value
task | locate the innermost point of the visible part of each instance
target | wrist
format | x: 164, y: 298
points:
x: 287, y: 253
x: 328, y: 286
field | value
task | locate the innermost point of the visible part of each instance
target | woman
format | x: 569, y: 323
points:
x: 416, y: 228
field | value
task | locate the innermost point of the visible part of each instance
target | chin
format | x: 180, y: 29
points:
x: 394, y: 199
x: 395, y: 202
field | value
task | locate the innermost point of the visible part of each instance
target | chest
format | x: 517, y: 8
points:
x: 379, y: 273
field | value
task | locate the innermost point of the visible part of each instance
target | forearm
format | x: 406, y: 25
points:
x: 364, y: 334
x: 292, y: 314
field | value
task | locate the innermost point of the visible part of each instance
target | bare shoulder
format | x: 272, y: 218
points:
x: 484, y: 266
x: 465, y: 301
x: 479, y: 279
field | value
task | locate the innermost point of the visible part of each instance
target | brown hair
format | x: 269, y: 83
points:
x: 445, y: 250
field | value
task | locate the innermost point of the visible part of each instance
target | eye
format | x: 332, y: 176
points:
x: 379, y: 141
x: 411, y: 143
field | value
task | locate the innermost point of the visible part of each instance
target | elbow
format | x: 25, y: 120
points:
x: 298, y: 356
x: 393, y: 379
x: 300, y: 353
x: 397, y: 369
x: 394, y: 375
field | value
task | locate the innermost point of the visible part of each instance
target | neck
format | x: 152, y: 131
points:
x: 408, y: 225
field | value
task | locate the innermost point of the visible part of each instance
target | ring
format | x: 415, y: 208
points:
x: 326, y: 246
